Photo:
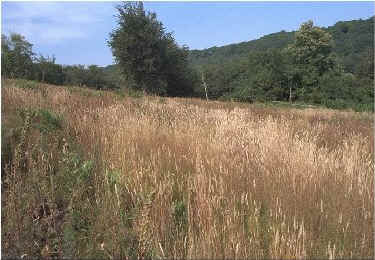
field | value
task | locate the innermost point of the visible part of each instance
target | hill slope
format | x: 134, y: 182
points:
x: 258, y: 71
x: 352, y: 39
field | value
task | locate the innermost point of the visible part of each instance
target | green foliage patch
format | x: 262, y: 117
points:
x: 307, y: 68
x: 26, y: 84
x: 48, y: 187
x: 44, y: 120
x: 149, y: 55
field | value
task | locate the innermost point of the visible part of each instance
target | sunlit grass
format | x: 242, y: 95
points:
x: 186, y: 178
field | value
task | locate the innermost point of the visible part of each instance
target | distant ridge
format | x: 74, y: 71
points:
x: 351, y: 40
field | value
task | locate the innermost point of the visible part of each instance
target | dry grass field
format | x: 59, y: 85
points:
x: 99, y: 175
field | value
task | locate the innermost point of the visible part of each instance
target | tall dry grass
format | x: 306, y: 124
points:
x: 183, y: 178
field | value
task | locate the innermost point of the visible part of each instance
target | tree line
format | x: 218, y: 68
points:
x: 304, y: 66
x: 19, y: 61
x: 314, y: 67
x: 147, y: 59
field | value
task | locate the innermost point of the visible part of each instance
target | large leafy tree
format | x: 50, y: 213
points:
x: 17, y: 56
x: 147, y: 54
x: 312, y: 53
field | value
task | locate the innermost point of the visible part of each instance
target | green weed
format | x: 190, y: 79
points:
x: 26, y: 84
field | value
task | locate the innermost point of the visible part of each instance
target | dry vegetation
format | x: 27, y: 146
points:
x: 94, y: 174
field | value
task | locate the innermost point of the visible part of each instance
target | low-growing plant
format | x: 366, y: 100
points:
x: 134, y: 93
x: 129, y: 92
x: 26, y: 84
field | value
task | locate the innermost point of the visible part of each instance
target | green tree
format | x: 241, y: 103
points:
x: 292, y: 74
x: 46, y: 70
x: 267, y: 72
x: 96, y: 77
x: 114, y: 77
x: 312, y: 55
x: 147, y: 54
x: 17, y: 56
x: 6, y: 60
x: 313, y: 46
x: 44, y: 65
x: 365, y: 67
x: 76, y: 75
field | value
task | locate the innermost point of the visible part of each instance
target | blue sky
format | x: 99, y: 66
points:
x: 76, y: 32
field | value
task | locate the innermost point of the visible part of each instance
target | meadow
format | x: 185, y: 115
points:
x: 96, y: 174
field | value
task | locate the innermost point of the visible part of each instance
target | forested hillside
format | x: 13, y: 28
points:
x: 274, y: 68
x: 352, y: 41
x: 216, y: 55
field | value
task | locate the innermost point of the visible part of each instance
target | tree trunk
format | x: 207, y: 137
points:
x: 290, y: 94
x: 205, y: 86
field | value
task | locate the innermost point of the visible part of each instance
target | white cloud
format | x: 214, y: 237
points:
x: 50, y: 23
